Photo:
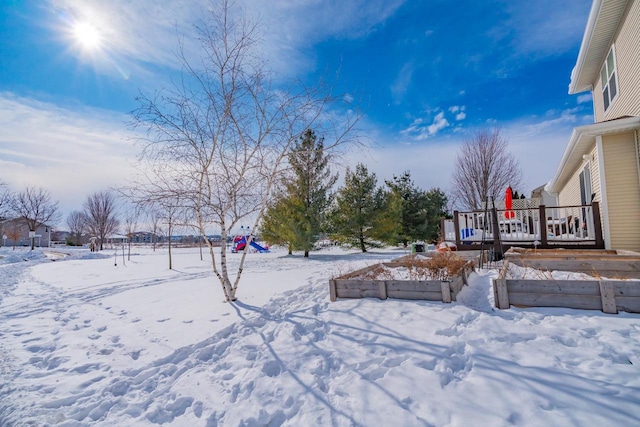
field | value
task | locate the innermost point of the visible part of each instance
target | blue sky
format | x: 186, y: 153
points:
x: 428, y: 75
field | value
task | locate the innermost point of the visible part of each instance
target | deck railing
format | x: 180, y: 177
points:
x: 543, y: 227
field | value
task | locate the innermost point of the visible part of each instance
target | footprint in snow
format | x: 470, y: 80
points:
x: 272, y: 368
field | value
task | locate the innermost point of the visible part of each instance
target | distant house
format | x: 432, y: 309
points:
x: 15, y: 232
x: 144, y: 237
x: 602, y: 160
x: 116, y: 239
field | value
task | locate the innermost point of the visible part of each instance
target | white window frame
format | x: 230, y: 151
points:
x: 609, y: 79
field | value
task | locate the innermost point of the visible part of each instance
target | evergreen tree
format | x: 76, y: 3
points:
x: 275, y: 228
x: 356, y: 219
x: 436, y: 201
x: 412, y: 203
x: 298, y: 216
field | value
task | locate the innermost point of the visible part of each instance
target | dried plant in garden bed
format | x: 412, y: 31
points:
x: 440, y: 266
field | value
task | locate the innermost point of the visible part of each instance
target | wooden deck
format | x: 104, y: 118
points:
x: 568, y: 227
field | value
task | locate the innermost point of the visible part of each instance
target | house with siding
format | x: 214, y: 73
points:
x: 602, y: 160
x: 15, y: 232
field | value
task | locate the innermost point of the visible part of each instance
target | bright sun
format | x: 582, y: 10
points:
x: 87, y: 35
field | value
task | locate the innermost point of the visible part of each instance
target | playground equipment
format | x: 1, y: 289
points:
x: 240, y: 243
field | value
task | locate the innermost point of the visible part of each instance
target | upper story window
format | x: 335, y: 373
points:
x: 609, y: 80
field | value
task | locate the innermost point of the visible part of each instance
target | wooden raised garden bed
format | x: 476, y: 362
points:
x: 586, y: 293
x: 596, y: 263
x: 377, y: 281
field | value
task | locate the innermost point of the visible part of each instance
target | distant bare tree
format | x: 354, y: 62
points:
x: 35, y: 207
x: 154, y: 222
x: 76, y: 221
x: 13, y: 232
x: 5, y: 200
x: 100, y: 215
x: 484, y: 168
x: 130, y: 226
x: 219, y: 138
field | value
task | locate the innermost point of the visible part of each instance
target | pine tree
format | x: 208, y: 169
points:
x: 436, y: 210
x: 275, y: 228
x: 356, y: 219
x: 297, y: 218
x: 412, y: 203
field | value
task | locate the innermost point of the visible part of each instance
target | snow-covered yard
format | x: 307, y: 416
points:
x: 85, y: 342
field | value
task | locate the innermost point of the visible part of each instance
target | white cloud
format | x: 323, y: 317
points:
x: 584, y: 98
x: 421, y: 129
x: 146, y: 32
x: 568, y: 117
x: 400, y: 85
x: 537, y: 143
x: 439, y: 123
x: 430, y: 164
x: 459, y: 111
x: 70, y: 153
x: 545, y: 27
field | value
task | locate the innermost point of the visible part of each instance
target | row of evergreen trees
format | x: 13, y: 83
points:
x: 360, y: 214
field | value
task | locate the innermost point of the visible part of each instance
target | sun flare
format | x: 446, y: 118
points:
x: 87, y: 35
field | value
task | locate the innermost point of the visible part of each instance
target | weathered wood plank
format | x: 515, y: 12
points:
x: 612, y: 269
x: 582, y: 302
x: 428, y: 296
x: 456, y: 286
x: 357, y: 284
x: 446, y: 291
x: 608, y: 297
x: 502, y: 294
x: 628, y: 304
x: 577, y: 287
x: 413, y: 285
x: 333, y: 296
x: 357, y: 293
x: 515, y: 251
x: 630, y: 288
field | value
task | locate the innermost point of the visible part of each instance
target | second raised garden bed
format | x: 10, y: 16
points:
x: 529, y: 282
x: 437, y: 278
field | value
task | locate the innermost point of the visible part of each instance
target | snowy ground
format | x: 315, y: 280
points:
x: 86, y: 343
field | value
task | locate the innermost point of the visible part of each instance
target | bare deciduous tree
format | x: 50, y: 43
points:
x: 130, y: 226
x: 100, y: 215
x: 5, y: 200
x: 220, y: 136
x: 35, y: 207
x: 13, y: 232
x: 154, y: 224
x: 76, y: 221
x: 484, y: 168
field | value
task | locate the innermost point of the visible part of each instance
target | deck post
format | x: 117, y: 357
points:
x: 543, y: 226
x: 456, y: 225
x: 597, y: 224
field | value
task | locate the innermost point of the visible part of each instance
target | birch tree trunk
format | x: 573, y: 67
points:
x: 219, y: 137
